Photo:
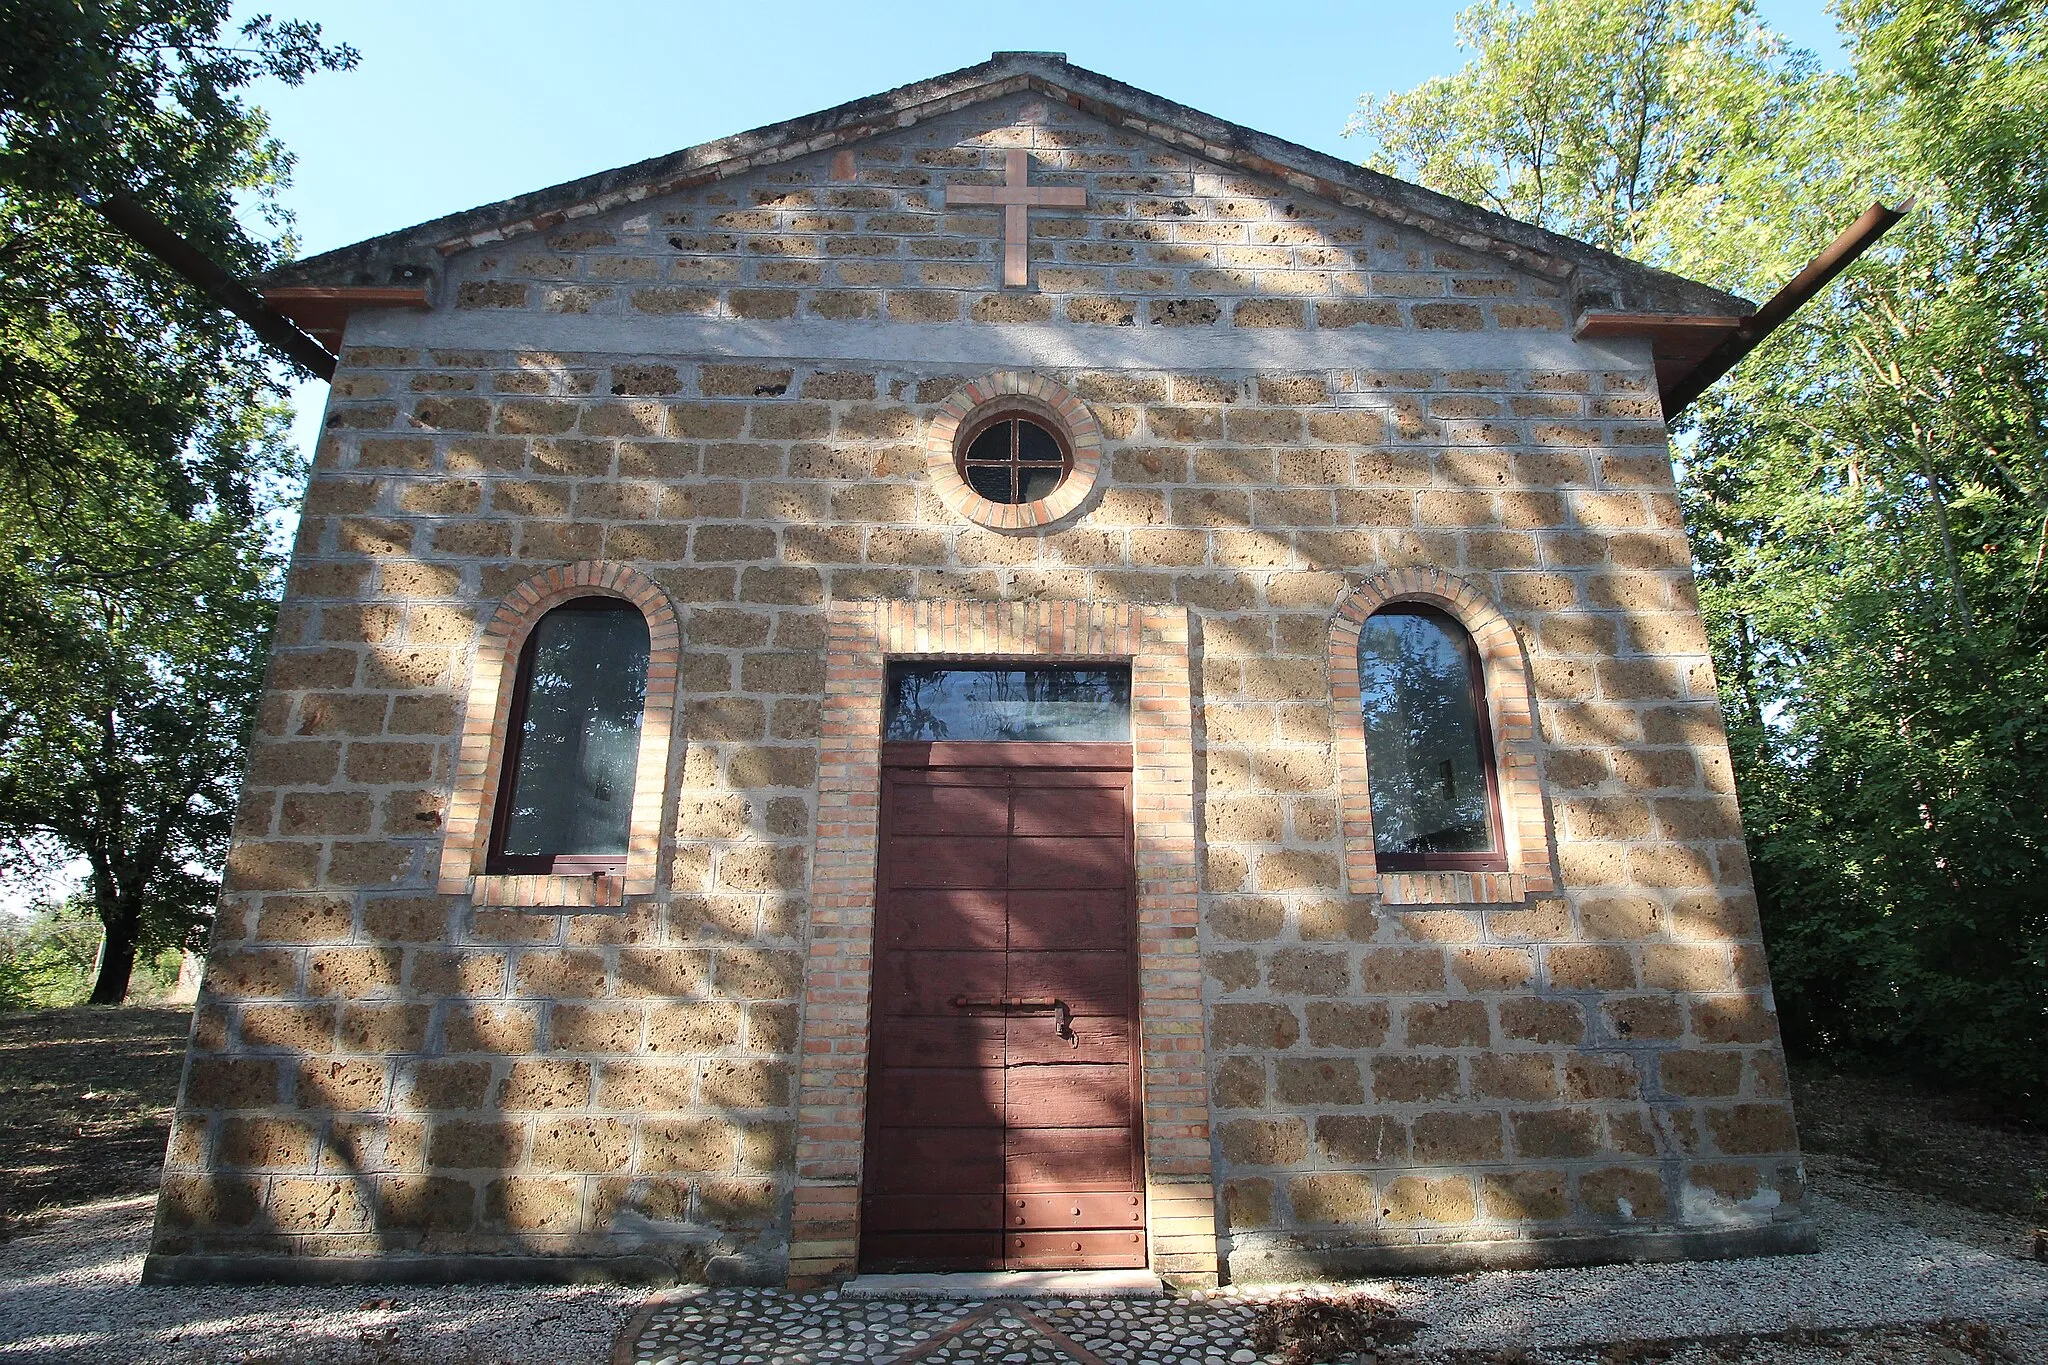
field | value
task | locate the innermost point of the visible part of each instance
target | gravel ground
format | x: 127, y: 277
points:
x: 1885, y: 1258
x: 68, y: 1292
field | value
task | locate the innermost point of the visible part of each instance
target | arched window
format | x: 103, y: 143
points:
x: 1428, y: 744
x: 572, y: 751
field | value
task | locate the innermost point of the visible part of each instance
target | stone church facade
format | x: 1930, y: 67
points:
x: 734, y: 396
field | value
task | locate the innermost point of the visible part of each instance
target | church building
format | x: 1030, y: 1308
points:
x: 1005, y: 676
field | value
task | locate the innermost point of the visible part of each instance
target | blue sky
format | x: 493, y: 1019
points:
x: 459, y: 102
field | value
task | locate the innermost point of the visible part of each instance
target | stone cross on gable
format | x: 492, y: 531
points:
x: 1016, y: 196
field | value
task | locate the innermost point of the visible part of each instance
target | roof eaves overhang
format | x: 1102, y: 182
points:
x: 1678, y: 341
x: 1588, y: 277
x: 1692, y: 351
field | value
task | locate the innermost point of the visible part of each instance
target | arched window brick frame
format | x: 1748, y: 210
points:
x: 1511, y: 712
x: 1029, y: 395
x: 486, y: 721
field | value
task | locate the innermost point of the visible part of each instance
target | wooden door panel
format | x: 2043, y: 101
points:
x: 934, y: 1212
x: 1098, y: 1039
x: 1090, y: 810
x: 1065, y: 861
x: 937, y: 1161
x: 923, y: 808
x: 1043, y: 1212
x: 925, y: 983
x: 1095, y: 919
x: 1090, y: 983
x: 960, y: 1040
x: 946, y: 919
x: 936, y: 1098
x: 993, y: 1140
x: 947, y: 862
x: 1074, y: 1250
x: 1039, y: 1159
x: 1068, y: 1096
x: 1110, y: 773
x: 884, y: 1252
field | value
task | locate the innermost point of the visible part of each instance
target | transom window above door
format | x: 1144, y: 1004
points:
x: 1042, y: 703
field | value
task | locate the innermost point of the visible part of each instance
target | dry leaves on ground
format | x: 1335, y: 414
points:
x: 1318, y: 1328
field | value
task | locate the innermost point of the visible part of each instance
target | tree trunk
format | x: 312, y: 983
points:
x: 1948, y: 543
x: 117, y: 959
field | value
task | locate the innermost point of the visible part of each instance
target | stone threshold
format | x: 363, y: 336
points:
x: 1009, y: 1284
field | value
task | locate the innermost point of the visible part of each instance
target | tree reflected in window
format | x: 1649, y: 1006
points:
x: 1429, y: 756
x: 1047, y: 704
x: 573, y: 750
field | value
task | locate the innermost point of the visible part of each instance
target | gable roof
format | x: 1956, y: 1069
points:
x: 1590, y: 278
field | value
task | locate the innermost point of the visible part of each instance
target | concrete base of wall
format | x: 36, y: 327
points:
x: 650, y: 1270
x: 1296, y: 1261
x: 1269, y: 1263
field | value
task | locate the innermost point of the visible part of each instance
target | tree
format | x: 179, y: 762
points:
x: 1606, y: 122
x: 108, y: 361
x: 123, y: 719
x: 46, y: 956
x: 1867, y: 494
x: 140, y: 448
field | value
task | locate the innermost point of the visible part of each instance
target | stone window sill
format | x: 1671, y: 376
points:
x: 570, y: 893
x: 1451, y: 888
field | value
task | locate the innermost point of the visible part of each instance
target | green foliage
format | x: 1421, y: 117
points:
x: 46, y: 957
x: 1591, y: 119
x: 1867, y: 495
x: 141, y: 450
x: 111, y: 367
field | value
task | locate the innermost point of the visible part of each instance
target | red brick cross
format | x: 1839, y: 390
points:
x: 1016, y: 196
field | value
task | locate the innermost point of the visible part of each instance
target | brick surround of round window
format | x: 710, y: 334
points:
x: 1020, y: 393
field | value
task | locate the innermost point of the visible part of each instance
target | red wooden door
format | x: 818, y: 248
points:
x: 1002, y: 1094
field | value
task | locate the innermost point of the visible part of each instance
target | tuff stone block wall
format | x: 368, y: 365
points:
x: 726, y: 390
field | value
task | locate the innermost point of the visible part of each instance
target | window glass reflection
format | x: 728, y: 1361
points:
x: 1033, y: 484
x: 993, y: 444
x: 1035, y: 444
x: 579, y: 743
x: 1047, y: 704
x: 1424, y: 760
x: 992, y: 481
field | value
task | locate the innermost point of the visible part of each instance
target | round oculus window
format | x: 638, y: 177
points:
x: 1012, y: 458
x: 1013, y: 451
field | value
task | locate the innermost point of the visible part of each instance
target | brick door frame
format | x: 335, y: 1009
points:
x: 838, y: 972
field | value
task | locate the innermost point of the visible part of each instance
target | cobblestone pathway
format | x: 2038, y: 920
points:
x: 1888, y: 1267
x: 760, y: 1327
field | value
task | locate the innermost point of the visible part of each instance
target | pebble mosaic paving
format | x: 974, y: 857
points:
x: 768, y: 1327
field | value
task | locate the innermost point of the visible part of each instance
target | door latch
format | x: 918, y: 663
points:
x: 1063, y: 1014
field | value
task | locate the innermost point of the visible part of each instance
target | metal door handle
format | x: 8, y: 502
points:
x: 1029, y: 1003
x: 1008, y: 1002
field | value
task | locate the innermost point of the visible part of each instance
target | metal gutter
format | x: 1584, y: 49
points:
x: 156, y: 237
x: 1856, y: 239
